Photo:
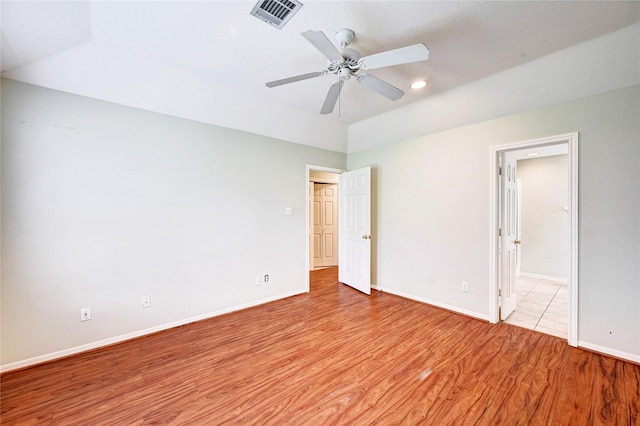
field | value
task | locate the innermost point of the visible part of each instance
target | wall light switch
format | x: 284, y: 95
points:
x: 288, y: 211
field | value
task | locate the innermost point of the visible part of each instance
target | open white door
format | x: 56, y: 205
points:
x: 354, y: 267
x: 509, y: 235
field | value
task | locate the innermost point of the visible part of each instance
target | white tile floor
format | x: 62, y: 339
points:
x: 542, y: 306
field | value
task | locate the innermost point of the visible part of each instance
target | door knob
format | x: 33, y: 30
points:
x: 517, y: 242
x: 366, y: 237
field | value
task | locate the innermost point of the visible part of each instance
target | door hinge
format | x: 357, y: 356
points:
x: 499, y: 232
x: 499, y: 171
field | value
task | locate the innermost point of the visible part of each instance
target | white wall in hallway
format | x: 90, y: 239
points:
x: 544, y: 196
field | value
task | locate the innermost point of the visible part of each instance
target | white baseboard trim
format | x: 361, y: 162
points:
x: 118, y: 339
x: 544, y: 277
x: 581, y: 344
x: 434, y: 303
x: 608, y: 351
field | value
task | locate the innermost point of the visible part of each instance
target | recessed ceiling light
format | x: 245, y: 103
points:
x: 420, y: 84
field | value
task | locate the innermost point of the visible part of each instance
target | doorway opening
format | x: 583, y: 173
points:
x: 354, y: 227
x: 322, y: 241
x: 542, y: 225
x: 323, y: 220
x: 506, y: 249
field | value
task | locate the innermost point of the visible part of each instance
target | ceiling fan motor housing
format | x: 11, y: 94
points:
x: 351, y: 57
x: 345, y: 67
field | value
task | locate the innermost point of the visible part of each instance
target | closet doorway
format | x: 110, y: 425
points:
x: 323, y: 219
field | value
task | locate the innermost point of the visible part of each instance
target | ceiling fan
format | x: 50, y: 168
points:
x: 348, y: 62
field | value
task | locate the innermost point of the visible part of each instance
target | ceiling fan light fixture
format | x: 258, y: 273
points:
x: 419, y: 84
x: 344, y: 74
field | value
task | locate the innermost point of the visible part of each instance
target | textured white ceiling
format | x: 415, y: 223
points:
x: 209, y: 60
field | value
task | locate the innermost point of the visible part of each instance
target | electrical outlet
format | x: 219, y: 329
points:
x: 465, y: 286
x: 85, y: 314
x: 266, y: 278
x: 146, y: 302
x: 258, y: 280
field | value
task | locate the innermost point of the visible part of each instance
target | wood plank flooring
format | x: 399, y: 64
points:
x: 333, y: 356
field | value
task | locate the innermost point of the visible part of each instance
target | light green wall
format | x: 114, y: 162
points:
x: 432, y: 226
x: 104, y: 204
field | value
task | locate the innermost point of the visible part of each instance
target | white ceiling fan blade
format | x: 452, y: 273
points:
x: 404, y: 55
x: 332, y: 98
x: 323, y: 44
x: 382, y: 87
x: 295, y: 78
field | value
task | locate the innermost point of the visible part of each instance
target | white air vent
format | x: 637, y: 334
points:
x: 276, y: 12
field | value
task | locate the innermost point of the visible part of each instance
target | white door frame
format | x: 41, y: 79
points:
x: 309, y: 232
x: 571, y: 139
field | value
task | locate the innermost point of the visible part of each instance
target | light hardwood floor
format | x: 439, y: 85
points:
x: 333, y: 356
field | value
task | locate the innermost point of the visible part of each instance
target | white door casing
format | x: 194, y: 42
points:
x: 316, y: 234
x: 310, y: 250
x: 572, y: 140
x: 355, y: 229
x: 519, y: 226
x: 509, y: 231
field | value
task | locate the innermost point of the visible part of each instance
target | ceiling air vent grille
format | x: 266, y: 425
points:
x: 276, y: 12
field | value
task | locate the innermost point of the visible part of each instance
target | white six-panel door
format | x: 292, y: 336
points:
x: 325, y: 224
x: 355, y: 229
x: 508, y: 240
